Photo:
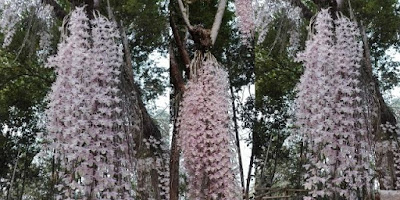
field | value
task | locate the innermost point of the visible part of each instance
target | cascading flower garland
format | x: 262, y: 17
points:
x: 265, y: 14
x: 245, y: 12
x: 12, y: 12
x: 83, y: 124
x: 204, y: 133
x: 329, y: 110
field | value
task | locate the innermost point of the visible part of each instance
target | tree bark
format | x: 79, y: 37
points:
x: 383, y: 115
x: 178, y: 84
x: 185, y: 14
x: 174, y: 167
x: 175, y: 74
x: 13, y: 176
x: 203, y: 37
x: 181, y: 48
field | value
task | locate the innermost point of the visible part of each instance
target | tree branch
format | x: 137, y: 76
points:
x: 217, y: 20
x: 181, y: 48
x: 247, y: 190
x: 175, y: 74
x: 129, y: 65
x: 184, y: 14
x: 236, y: 128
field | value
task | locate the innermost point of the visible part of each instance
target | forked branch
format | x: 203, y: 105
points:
x: 218, y: 20
x: 216, y: 24
x: 184, y: 14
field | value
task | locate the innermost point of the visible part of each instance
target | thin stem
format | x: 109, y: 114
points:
x: 249, y: 175
x: 237, y: 135
x: 13, y: 175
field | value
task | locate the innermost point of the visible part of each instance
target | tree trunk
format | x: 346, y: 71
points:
x: 246, y: 194
x: 237, y: 136
x: 26, y: 165
x: 179, y: 88
x: 379, y: 114
x: 13, y: 176
x: 174, y: 167
x: 174, y: 159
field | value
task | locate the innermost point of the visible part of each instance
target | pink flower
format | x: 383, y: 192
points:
x: 204, y: 133
x: 329, y: 109
x: 83, y: 110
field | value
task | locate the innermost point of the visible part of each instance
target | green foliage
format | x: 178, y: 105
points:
x: 276, y: 77
x: 382, y: 19
x: 24, y: 82
x: 137, y: 16
x: 22, y: 87
x: 239, y: 60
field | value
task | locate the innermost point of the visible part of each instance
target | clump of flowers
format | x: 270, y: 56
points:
x: 329, y: 110
x: 13, y: 11
x: 245, y: 12
x: 204, y: 133
x: 266, y: 12
x: 84, y: 128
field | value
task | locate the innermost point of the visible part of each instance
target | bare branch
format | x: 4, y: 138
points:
x: 184, y: 14
x: 110, y: 13
x: 181, y: 47
x: 129, y: 65
x: 217, y: 20
x: 176, y: 76
x: 247, y: 190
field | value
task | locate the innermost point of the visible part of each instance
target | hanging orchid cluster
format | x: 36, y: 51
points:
x: 204, y: 133
x: 329, y: 110
x: 245, y: 13
x: 84, y: 128
x: 385, y: 151
x: 12, y: 11
x: 265, y: 14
